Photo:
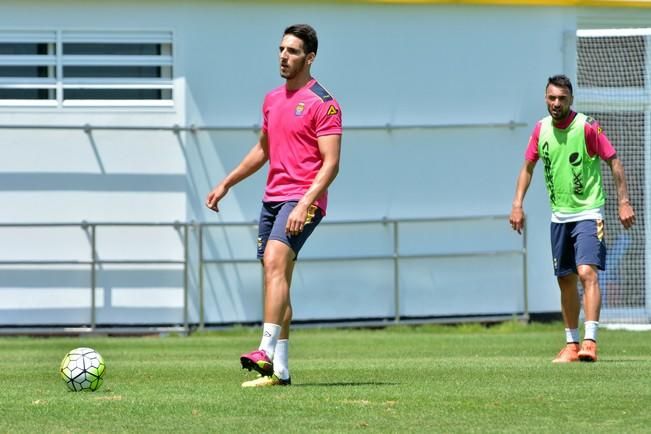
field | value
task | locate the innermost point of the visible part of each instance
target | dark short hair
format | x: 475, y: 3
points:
x: 305, y: 33
x: 560, y: 80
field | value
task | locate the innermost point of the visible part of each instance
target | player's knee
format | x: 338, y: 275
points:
x: 272, y: 265
x: 587, y: 274
x: 275, y: 261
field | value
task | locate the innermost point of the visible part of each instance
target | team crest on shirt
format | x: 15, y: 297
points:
x: 300, y: 107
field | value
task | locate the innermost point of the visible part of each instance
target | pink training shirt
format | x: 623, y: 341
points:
x: 293, y: 121
x: 595, y: 140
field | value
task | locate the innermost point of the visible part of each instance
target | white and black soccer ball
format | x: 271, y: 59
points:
x: 83, y: 369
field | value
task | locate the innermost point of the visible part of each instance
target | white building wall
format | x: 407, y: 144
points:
x: 416, y: 65
x: 430, y: 65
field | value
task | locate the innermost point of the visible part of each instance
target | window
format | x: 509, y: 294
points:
x: 71, y: 69
x: 27, y: 67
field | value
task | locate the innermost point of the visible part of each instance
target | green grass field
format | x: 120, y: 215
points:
x: 401, y: 379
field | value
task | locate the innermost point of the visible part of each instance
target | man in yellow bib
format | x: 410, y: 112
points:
x: 571, y: 146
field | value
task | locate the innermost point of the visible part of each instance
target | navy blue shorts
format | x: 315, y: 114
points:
x: 273, y: 220
x: 578, y: 243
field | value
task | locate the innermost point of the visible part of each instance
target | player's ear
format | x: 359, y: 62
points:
x: 310, y: 58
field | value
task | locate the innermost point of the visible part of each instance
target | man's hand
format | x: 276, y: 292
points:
x: 517, y: 218
x: 213, y: 198
x: 626, y: 214
x: 296, y: 219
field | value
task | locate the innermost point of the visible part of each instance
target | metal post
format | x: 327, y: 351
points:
x: 201, y: 284
x: 396, y: 271
x: 186, y: 324
x: 93, y: 277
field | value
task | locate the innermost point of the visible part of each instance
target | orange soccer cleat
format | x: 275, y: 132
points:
x: 569, y: 353
x: 588, y: 351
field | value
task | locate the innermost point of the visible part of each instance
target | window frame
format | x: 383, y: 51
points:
x: 57, y: 60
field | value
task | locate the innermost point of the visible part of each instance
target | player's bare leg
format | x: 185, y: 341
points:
x: 591, y: 308
x: 287, y: 319
x: 278, y: 267
x: 278, y: 270
x: 570, y: 307
x: 570, y: 304
x: 278, y: 302
x: 591, y: 292
x: 281, y: 355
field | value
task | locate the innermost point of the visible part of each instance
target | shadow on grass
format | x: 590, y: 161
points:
x: 346, y: 384
x: 613, y: 360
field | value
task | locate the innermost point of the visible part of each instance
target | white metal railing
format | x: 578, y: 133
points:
x: 93, y: 262
x: 193, y: 128
x: 184, y: 229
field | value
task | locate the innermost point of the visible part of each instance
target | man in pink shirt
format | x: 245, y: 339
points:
x: 301, y: 140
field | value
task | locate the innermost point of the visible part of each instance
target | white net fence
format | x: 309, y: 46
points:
x: 613, y: 86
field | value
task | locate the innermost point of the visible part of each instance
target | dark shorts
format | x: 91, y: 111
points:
x: 578, y: 243
x: 273, y: 220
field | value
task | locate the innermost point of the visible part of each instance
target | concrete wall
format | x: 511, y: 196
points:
x: 462, y: 72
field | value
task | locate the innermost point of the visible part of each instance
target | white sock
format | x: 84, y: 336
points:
x: 270, y: 333
x: 591, y: 328
x: 572, y: 336
x: 281, y: 359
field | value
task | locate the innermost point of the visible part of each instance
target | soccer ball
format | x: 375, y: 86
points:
x: 83, y: 369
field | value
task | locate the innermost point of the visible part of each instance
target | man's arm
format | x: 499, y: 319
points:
x: 330, y: 149
x: 524, y: 180
x: 626, y: 213
x: 252, y: 162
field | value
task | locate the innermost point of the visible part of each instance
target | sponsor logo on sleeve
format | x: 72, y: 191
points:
x: 332, y: 110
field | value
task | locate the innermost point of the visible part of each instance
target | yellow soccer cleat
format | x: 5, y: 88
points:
x: 264, y: 381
